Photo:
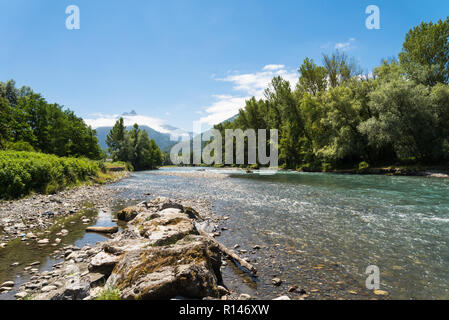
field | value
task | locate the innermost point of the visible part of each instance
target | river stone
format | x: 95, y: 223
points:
x: 170, y: 205
x: 186, y: 269
x: 75, y: 290
x: 283, y: 298
x: 103, y: 263
x: 21, y: 295
x: 48, y: 288
x: 129, y: 213
x: 43, y: 241
x: 8, y: 284
x: 169, y: 226
x: 276, y: 281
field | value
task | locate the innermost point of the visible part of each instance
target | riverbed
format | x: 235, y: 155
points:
x: 321, y: 231
x: 317, y: 232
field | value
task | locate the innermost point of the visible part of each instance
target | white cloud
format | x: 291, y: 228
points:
x: 249, y: 85
x: 274, y: 67
x: 103, y: 120
x: 345, y: 45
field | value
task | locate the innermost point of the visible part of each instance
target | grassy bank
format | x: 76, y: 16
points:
x: 22, y: 173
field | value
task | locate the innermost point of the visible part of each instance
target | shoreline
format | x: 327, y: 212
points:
x: 431, y: 172
x: 38, y: 212
x: 186, y: 261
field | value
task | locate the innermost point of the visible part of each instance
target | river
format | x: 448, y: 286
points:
x: 321, y: 231
x: 316, y: 231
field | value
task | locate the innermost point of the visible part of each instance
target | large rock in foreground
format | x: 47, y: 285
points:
x: 189, y: 268
x: 160, y: 255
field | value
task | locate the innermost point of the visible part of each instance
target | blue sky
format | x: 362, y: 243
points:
x: 175, y: 62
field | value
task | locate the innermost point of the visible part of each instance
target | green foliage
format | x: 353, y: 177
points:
x: 26, y: 117
x: 337, y: 118
x: 20, y: 146
x: 109, y: 294
x: 425, y: 54
x: 24, y: 172
x: 134, y: 147
x: 363, y: 166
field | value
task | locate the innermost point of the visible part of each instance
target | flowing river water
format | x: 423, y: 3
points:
x: 316, y: 231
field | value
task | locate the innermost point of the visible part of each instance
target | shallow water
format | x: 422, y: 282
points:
x: 27, y: 252
x: 317, y: 231
x: 321, y: 231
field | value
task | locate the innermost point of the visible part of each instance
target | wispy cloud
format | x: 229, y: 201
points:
x: 345, y: 46
x: 249, y: 85
x: 104, y: 120
x: 274, y: 67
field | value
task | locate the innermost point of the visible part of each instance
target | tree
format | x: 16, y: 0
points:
x: 134, y: 146
x: 425, y: 53
x: 115, y: 141
x: 312, y: 77
x: 339, y: 68
x: 405, y: 119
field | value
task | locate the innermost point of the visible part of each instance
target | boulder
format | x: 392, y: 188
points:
x: 76, y: 290
x: 103, y: 263
x: 186, y: 269
x: 165, y: 227
x: 129, y: 213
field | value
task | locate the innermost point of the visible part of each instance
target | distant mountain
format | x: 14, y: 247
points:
x: 162, y: 139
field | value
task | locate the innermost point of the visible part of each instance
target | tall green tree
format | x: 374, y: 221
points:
x: 116, y: 143
x: 425, y: 53
x: 134, y: 146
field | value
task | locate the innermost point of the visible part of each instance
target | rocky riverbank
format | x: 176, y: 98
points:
x: 20, y: 218
x: 166, y: 251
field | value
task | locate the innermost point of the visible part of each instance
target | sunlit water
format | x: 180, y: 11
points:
x: 317, y: 231
x: 322, y: 231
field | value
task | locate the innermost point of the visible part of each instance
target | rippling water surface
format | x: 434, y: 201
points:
x: 321, y: 231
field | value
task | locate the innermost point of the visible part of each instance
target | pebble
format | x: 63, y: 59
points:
x: 21, y: 295
x: 48, y: 288
x: 380, y: 292
x: 222, y: 290
x: 244, y: 296
x: 43, y: 241
x: 276, y: 281
x: 35, y: 263
x: 283, y: 298
x: 8, y: 284
x: 292, y: 289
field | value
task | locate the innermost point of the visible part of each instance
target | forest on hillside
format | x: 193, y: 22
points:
x: 338, y: 117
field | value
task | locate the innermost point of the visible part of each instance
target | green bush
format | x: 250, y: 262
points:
x: 109, y: 294
x: 363, y: 166
x: 24, y: 172
x: 20, y: 146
